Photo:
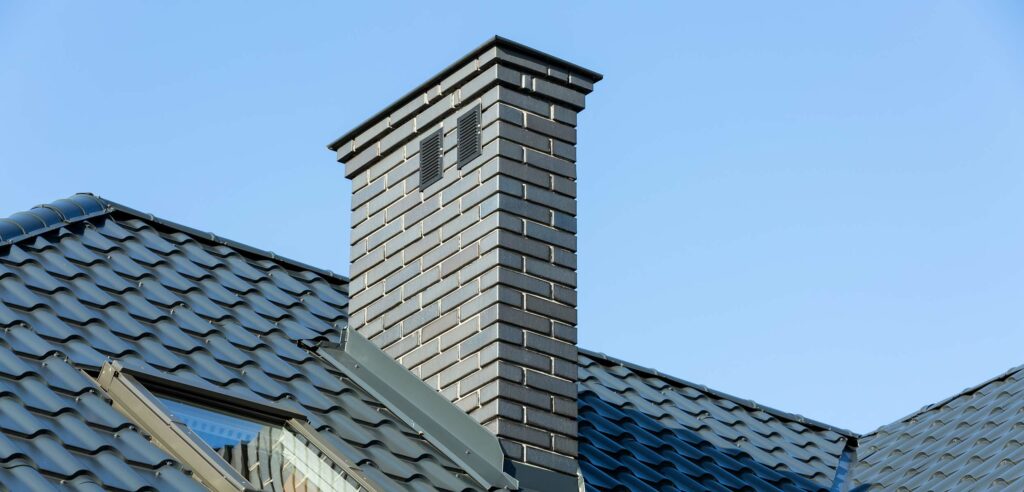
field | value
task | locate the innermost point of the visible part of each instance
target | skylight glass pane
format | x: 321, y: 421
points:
x: 270, y: 456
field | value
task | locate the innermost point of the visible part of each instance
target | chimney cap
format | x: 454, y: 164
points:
x: 496, y: 41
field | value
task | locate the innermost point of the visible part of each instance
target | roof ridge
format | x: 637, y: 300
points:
x: 941, y: 403
x: 84, y: 206
x: 744, y: 402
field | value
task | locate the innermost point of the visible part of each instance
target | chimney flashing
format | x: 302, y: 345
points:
x: 557, y: 74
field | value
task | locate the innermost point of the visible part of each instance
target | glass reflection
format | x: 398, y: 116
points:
x: 270, y: 456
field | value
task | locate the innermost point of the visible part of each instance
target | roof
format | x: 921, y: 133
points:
x: 85, y: 280
x: 971, y: 441
x: 641, y: 430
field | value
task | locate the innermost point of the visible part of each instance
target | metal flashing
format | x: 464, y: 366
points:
x: 444, y: 425
x: 536, y: 479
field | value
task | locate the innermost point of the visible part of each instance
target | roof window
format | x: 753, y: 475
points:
x: 231, y: 444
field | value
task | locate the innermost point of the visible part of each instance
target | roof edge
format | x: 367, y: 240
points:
x: 941, y: 403
x: 84, y: 206
x: 495, y: 41
x: 743, y: 402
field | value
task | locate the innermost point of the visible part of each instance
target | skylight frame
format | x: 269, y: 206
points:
x: 135, y: 394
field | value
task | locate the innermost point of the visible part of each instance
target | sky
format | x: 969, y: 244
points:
x: 814, y: 205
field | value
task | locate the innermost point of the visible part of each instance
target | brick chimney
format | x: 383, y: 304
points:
x: 464, y: 244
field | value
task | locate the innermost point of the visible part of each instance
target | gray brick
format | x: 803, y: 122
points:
x: 547, y: 420
x: 550, y: 128
x: 550, y: 163
x: 551, y: 309
x: 459, y: 260
x: 515, y: 355
x: 383, y: 234
x: 439, y: 326
x: 518, y: 135
x: 403, y: 205
x: 390, y: 195
x: 499, y: 408
x: 382, y: 270
x: 550, y: 384
x: 487, y: 298
x: 400, y: 134
x: 515, y: 392
x: 563, y: 115
x: 361, y: 299
x: 564, y: 150
x: 522, y: 433
x: 564, y: 406
x: 564, y: 445
x: 517, y: 99
x: 460, y: 370
x: 523, y: 208
x: 458, y: 333
x: 551, y: 235
x: 441, y: 252
x: 563, y: 331
x: 458, y: 224
x: 551, y: 199
x: 518, y: 317
x: 364, y: 228
x: 436, y: 219
x: 469, y: 383
x: 420, y: 318
x: 420, y: 246
x: 463, y: 294
x: 408, y: 272
x: 521, y: 244
x: 524, y: 282
x: 563, y: 185
x: 550, y: 346
x: 565, y: 295
x: 400, y: 312
x: 564, y: 221
x: 365, y: 262
x: 482, y: 338
x: 421, y: 353
x: 552, y: 461
x: 414, y: 216
x: 370, y: 191
x: 571, y: 98
x: 429, y: 116
x: 402, y: 169
x: 511, y: 449
x: 565, y: 369
x: 518, y: 170
x: 564, y: 258
x: 383, y: 304
x: 407, y: 110
x: 361, y: 159
x: 551, y: 272
x: 438, y: 363
x: 438, y: 290
x: 422, y: 281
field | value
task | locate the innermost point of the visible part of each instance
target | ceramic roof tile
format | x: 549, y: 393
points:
x: 108, y: 283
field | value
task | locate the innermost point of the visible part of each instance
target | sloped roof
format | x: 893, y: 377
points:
x: 84, y: 281
x: 640, y: 430
x: 971, y: 441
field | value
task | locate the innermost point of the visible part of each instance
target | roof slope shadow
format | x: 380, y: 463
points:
x: 84, y: 281
x: 643, y: 431
x: 973, y: 440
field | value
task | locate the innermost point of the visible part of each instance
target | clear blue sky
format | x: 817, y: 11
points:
x: 815, y: 206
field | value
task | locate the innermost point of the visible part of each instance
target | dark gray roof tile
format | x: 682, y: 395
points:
x: 641, y: 430
x: 109, y: 283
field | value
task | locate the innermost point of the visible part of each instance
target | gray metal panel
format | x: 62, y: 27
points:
x: 163, y: 298
x: 640, y: 430
x: 972, y: 441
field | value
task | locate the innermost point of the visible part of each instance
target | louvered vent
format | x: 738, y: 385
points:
x: 430, y: 159
x: 469, y: 136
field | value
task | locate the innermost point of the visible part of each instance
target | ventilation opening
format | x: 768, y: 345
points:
x: 430, y: 159
x: 469, y: 136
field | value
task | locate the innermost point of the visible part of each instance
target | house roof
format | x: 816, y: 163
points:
x: 84, y: 280
x: 973, y: 440
x: 641, y: 430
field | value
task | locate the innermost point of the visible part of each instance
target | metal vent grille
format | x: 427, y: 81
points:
x: 469, y: 136
x: 430, y: 159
